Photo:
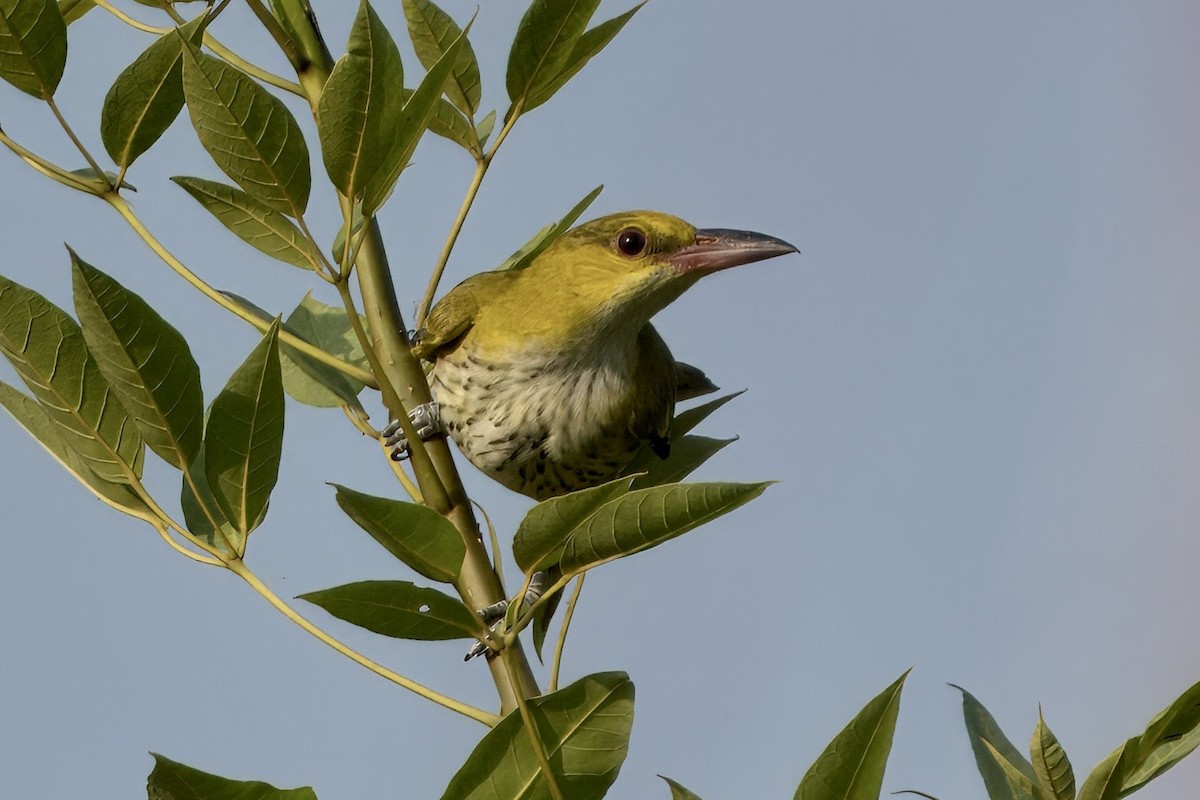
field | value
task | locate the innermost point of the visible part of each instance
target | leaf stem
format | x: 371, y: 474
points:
x: 126, y: 211
x: 75, y: 140
x: 481, y: 167
x: 562, y: 635
x: 228, y: 55
x: 48, y: 168
x: 165, y: 533
x: 289, y: 47
x: 239, y: 568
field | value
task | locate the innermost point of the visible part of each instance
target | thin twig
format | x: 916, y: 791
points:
x: 350, y: 370
x: 100, y: 175
x: 239, y: 568
x: 562, y: 634
x: 481, y: 168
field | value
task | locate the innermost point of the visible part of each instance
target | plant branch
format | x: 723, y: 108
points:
x: 239, y: 568
x: 535, y: 742
x: 289, y: 47
x: 50, y: 169
x: 126, y: 211
x: 432, y: 490
x: 165, y: 533
x: 75, y: 139
x: 477, y: 583
x: 481, y: 167
x: 233, y: 58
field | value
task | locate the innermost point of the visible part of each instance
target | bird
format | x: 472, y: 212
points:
x: 551, y: 378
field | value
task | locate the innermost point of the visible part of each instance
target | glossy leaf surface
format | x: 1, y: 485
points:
x: 33, y: 45
x: 399, y: 609
x: 145, y: 360
x: 244, y: 439
x: 852, y: 765
x: 47, y: 349
x: 419, y: 536
x: 584, y: 730
x: 248, y: 131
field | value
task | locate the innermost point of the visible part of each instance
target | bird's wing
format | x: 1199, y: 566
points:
x: 656, y: 377
x: 453, y: 316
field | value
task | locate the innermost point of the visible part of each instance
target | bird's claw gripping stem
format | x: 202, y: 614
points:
x: 427, y: 420
x: 493, y: 615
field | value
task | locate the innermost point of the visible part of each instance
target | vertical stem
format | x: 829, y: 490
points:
x: 535, y: 743
x: 477, y: 584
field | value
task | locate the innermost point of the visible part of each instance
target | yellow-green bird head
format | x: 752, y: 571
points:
x: 637, y: 262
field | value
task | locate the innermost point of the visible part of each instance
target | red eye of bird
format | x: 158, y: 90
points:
x: 631, y: 242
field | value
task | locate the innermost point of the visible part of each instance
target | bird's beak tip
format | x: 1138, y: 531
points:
x: 720, y: 248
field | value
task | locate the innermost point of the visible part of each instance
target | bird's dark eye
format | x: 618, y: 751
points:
x: 631, y: 242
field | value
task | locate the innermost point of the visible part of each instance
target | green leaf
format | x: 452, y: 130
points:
x: 542, y: 48
x: 549, y: 234
x: 203, y: 515
x: 339, y: 239
x: 73, y: 10
x: 147, y: 96
x: 851, y: 767
x: 414, y: 119
x: 433, y: 32
x: 982, y: 730
x: 244, y: 439
x: 539, y: 629
x: 248, y: 131
x: 547, y: 526
x: 146, y: 361
x: 359, y: 112
x: 583, y: 728
x: 449, y: 123
x: 33, y: 45
x: 171, y: 780
x: 419, y: 536
x: 1107, y: 778
x: 679, y: 791
x: 1018, y: 785
x: 47, y: 349
x: 310, y: 381
x: 1171, y: 735
x: 645, y: 518
x: 33, y: 418
x: 588, y: 45
x: 306, y: 379
x: 100, y: 182
x: 685, y: 421
x: 687, y: 454
x: 254, y: 222
x: 1050, y: 763
x: 398, y: 609
x: 485, y: 126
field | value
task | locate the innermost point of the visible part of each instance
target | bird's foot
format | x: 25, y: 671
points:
x: 493, y: 615
x: 427, y: 420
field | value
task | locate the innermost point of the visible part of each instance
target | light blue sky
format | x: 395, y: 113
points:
x: 978, y: 386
